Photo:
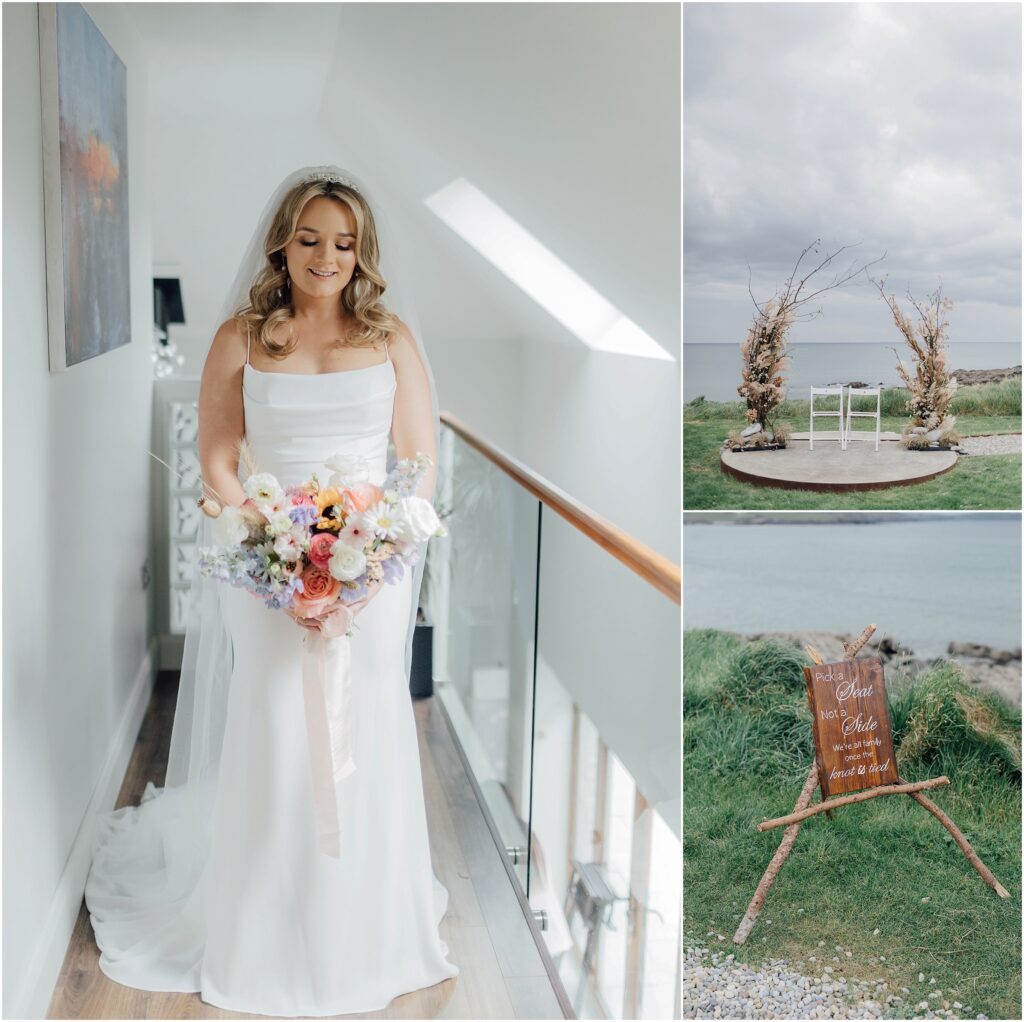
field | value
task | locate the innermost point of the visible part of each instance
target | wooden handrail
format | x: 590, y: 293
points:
x: 659, y: 571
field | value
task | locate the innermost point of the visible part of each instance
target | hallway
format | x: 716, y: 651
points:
x: 502, y: 974
x: 553, y: 787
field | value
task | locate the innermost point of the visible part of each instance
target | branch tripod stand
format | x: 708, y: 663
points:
x: 803, y: 809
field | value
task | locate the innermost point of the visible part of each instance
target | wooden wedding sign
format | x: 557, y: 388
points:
x: 852, y: 733
x: 853, y: 760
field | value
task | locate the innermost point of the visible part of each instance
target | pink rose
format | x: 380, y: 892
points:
x: 320, y: 592
x: 361, y: 496
x: 320, y: 547
x: 299, y: 498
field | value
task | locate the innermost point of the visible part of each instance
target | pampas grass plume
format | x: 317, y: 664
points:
x: 246, y: 460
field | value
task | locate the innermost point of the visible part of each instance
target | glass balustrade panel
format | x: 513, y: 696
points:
x: 605, y: 850
x: 485, y: 596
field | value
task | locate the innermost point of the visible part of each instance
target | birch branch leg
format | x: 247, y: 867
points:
x: 781, y: 853
x: 849, y: 800
x: 958, y: 837
x: 851, y: 649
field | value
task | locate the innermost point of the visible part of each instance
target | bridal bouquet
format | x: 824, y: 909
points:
x: 308, y: 547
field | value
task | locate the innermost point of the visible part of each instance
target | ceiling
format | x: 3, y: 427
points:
x: 566, y: 115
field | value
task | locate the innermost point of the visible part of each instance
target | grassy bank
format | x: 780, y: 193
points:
x: 885, y: 865
x: 986, y: 483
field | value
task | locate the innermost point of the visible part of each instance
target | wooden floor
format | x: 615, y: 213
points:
x: 502, y: 974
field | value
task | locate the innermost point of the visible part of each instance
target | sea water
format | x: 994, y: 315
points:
x: 925, y: 580
x: 714, y: 369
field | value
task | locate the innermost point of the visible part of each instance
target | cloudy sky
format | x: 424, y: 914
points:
x: 894, y: 125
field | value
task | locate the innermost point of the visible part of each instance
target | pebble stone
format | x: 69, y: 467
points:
x: 716, y: 986
x: 1000, y: 444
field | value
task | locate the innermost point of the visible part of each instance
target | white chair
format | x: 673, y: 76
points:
x: 828, y: 392
x: 876, y: 393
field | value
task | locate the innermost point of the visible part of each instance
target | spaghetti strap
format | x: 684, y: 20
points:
x: 387, y: 350
x: 248, y: 342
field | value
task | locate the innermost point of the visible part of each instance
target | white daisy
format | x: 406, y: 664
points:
x: 383, y: 520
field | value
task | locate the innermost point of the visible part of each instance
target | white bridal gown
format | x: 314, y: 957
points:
x: 266, y: 923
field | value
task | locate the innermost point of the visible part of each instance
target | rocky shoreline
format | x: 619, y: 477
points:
x: 963, y: 377
x: 970, y: 377
x: 988, y: 669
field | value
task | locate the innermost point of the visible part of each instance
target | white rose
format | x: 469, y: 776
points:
x: 229, y: 528
x: 420, y: 519
x: 347, y: 563
x: 264, y: 489
x: 348, y: 470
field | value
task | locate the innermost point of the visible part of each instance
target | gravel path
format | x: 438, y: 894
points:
x: 1005, y: 443
x: 716, y: 986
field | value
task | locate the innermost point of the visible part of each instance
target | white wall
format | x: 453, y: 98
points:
x: 76, y: 526
x: 200, y: 234
x: 567, y: 115
x: 606, y: 428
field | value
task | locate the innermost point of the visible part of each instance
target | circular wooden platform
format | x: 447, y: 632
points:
x: 832, y: 470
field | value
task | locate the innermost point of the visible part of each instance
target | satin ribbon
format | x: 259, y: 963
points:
x: 327, y: 694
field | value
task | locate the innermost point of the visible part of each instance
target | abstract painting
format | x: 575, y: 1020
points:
x: 85, y: 174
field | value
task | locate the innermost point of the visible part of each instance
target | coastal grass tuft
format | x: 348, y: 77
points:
x: 988, y: 400
x: 762, y: 672
x: 882, y: 878
x: 708, y: 652
x: 1003, y: 398
x: 944, y: 725
x: 764, y: 683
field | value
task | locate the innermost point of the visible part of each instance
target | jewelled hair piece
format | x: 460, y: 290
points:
x: 325, y: 174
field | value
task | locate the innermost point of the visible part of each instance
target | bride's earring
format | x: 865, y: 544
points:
x: 286, y: 290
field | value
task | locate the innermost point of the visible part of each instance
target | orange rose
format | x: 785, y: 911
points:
x: 320, y: 592
x: 356, y: 499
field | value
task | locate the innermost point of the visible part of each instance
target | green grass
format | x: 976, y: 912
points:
x: 988, y: 483
x: 747, y: 748
x: 975, y: 484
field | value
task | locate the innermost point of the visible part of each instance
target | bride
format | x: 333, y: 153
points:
x: 225, y: 881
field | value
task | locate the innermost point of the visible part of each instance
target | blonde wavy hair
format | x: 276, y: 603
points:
x: 269, y: 303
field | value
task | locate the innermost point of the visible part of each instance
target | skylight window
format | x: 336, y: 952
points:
x: 539, y: 272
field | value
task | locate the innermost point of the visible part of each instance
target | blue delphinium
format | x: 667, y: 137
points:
x: 406, y: 475
x: 304, y: 514
x: 353, y: 594
x: 223, y: 565
x: 257, y: 569
x: 393, y: 570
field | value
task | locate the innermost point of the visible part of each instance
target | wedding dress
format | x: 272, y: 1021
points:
x: 220, y: 886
